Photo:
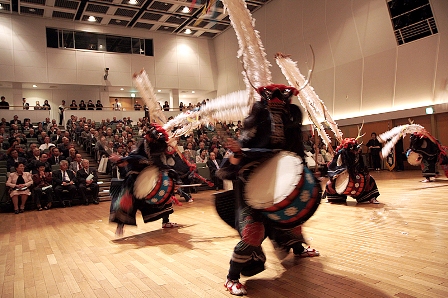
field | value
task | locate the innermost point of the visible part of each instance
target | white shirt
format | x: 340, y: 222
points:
x: 117, y: 106
x: 216, y: 163
x: 45, y: 146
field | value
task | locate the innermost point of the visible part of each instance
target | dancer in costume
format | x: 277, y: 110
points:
x: 425, y: 150
x: 273, y: 125
x: 149, y: 183
x: 349, y: 176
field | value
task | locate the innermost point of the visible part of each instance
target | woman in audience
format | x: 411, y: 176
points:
x: 73, y: 105
x: 37, y: 106
x: 202, y: 157
x: 82, y: 105
x: 166, y: 106
x: 19, y: 182
x: 46, y: 105
x: 99, y: 105
x: 90, y: 105
x: 42, y: 185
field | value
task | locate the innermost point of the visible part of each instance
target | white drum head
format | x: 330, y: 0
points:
x: 273, y: 180
x: 342, y: 182
x: 414, y: 158
x: 145, y: 182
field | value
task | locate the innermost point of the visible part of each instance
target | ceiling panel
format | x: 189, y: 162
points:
x: 167, y: 16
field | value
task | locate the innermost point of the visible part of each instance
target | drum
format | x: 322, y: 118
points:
x: 345, y: 185
x: 153, y: 186
x: 414, y: 158
x: 283, y: 189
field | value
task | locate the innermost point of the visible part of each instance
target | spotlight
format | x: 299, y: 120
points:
x: 429, y: 110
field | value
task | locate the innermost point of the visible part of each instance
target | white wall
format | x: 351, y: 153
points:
x: 178, y: 63
x: 359, y: 68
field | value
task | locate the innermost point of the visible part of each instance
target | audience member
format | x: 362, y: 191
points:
x: 4, y: 105
x: 87, y: 179
x: 14, y: 159
x: 90, y: 105
x: 75, y: 165
x: 61, y: 110
x: 82, y: 105
x: 73, y: 105
x: 37, y: 106
x: 20, y: 183
x: 202, y: 156
x: 56, y: 157
x: 213, y: 166
x: 99, y: 105
x: 46, y: 145
x: 26, y: 106
x: 117, y: 105
x: 42, y: 186
x: 166, y: 106
x: 46, y: 105
x: 64, y: 179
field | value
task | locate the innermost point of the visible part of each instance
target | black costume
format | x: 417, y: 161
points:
x: 274, y: 124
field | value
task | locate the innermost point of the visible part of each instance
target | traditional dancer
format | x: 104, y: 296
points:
x: 273, y: 125
x: 149, y: 183
x: 349, y: 176
x: 425, y: 150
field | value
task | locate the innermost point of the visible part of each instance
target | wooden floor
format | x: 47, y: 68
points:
x: 395, y: 249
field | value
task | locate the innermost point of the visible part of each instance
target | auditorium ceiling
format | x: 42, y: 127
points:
x: 198, y: 18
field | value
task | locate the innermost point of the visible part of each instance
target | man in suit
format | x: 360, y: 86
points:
x: 57, y: 138
x: 13, y: 159
x: 56, y: 158
x: 64, y: 179
x: 75, y: 165
x: 213, y: 166
x: 15, y: 120
x: 31, y: 134
x: 85, y: 184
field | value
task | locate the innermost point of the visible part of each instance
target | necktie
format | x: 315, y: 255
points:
x: 79, y: 166
x: 216, y: 163
x: 56, y: 159
x: 63, y: 176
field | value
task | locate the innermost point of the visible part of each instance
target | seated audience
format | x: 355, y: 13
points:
x: 56, y: 157
x: 202, y: 156
x: 14, y: 159
x: 42, y: 186
x: 64, y: 179
x: 213, y: 166
x: 88, y: 180
x: 75, y: 165
x: 20, y: 183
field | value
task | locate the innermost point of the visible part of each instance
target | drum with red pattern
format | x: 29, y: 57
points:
x: 153, y: 186
x: 346, y: 185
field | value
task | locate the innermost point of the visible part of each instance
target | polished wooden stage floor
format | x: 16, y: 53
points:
x: 395, y: 249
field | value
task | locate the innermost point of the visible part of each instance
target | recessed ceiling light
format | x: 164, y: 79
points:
x: 133, y: 2
x: 32, y: 10
x: 91, y: 19
x: 185, y: 10
x: 34, y: 86
x: 193, y: 91
x: 121, y: 89
x: 187, y: 31
x: 132, y: 94
x: 159, y: 90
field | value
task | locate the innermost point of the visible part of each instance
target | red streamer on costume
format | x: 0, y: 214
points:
x: 175, y: 201
x: 126, y: 202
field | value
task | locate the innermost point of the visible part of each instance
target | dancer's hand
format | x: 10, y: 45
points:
x: 233, y: 145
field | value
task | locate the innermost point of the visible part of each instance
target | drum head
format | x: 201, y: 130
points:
x: 414, y: 158
x: 273, y: 180
x: 342, y: 182
x: 145, y: 182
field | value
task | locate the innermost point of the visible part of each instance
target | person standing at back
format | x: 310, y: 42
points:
x: 374, y: 149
